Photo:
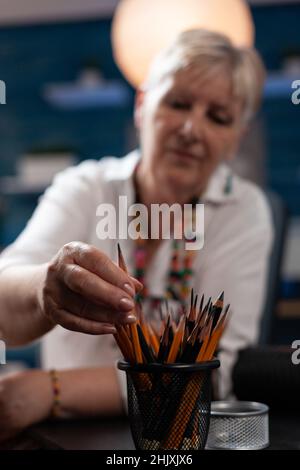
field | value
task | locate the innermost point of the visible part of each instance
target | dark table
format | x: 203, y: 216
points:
x: 114, y: 434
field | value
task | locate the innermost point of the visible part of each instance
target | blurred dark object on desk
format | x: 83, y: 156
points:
x: 268, y: 375
x: 20, y: 442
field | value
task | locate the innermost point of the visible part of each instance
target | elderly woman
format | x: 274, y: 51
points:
x: 59, y: 275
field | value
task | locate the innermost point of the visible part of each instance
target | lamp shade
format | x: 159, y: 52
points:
x: 141, y: 28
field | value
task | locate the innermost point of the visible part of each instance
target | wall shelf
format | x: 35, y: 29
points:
x: 90, y: 90
x: 279, y: 85
x: 15, y: 186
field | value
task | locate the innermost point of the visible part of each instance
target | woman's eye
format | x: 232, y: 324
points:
x: 220, y: 119
x: 177, y: 104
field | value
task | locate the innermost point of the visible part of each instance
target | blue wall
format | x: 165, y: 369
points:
x: 33, y: 56
x: 30, y: 57
x: 277, y: 31
x: 278, y: 34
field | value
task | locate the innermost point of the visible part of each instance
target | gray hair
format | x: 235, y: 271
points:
x: 209, y: 50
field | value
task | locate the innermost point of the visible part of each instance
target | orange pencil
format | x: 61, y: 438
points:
x: 206, y: 338
x: 153, y: 339
x: 176, y: 341
x: 217, y: 333
x: 133, y: 329
x: 122, y: 336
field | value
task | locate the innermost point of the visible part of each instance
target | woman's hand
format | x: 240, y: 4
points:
x: 25, y: 398
x: 85, y: 291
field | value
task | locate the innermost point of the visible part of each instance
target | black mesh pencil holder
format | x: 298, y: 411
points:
x: 169, y: 404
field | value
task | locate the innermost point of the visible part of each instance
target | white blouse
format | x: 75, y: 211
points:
x: 238, y: 238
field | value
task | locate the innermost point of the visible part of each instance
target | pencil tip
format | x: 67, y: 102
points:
x: 121, y: 260
x: 119, y: 252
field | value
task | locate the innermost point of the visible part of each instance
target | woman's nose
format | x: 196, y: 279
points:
x: 193, y: 127
x: 187, y: 127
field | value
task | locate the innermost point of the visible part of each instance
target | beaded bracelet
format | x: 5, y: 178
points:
x: 55, y: 412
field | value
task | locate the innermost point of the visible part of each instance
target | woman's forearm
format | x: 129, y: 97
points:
x: 90, y: 392
x: 21, y: 318
x: 27, y: 397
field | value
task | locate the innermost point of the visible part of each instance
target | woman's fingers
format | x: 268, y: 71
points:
x: 85, y: 291
x: 95, y: 289
x: 137, y: 284
x: 80, y: 324
x: 78, y: 305
x: 100, y: 264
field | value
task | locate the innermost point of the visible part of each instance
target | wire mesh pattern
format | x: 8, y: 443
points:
x: 170, y: 409
x: 238, y: 433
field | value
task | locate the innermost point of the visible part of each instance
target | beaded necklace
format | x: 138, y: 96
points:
x: 180, y: 273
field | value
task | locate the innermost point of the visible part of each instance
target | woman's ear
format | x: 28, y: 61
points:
x: 138, y: 107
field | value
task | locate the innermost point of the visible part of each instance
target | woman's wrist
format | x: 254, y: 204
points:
x: 38, y: 295
x: 101, y: 387
x: 40, y: 390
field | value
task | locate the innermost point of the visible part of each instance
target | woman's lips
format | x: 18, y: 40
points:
x: 187, y: 156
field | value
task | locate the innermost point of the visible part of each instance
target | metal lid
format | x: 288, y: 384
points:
x: 238, y: 408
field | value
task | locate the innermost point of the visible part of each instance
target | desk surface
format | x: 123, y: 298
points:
x: 114, y: 434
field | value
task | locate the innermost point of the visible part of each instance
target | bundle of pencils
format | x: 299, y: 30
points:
x: 194, y: 338
x: 168, y: 401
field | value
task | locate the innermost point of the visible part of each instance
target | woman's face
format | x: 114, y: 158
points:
x: 188, y: 125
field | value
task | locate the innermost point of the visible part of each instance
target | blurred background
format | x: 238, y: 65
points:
x: 66, y: 101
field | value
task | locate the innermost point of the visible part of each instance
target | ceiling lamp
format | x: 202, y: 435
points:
x: 142, y: 27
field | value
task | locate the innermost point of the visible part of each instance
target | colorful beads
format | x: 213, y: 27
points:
x: 180, y: 273
x: 56, y: 393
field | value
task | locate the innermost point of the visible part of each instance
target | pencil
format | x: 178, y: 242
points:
x: 217, y: 309
x: 153, y: 339
x: 149, y: 357
x: 133, y: 326
x: 176, y: 341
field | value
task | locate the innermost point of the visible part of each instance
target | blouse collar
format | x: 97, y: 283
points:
x: 222, y: 187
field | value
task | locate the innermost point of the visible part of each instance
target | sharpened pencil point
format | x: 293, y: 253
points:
x: 121, y: 261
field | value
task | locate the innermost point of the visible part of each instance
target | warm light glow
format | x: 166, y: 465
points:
x: 142, y: 27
